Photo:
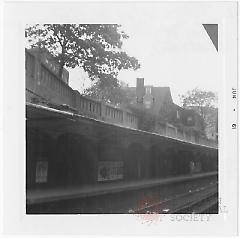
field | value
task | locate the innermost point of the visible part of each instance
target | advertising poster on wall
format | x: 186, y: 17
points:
x: 110, y: 170
x: 41, y: 171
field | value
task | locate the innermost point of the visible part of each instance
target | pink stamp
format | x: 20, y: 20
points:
x: 147, y: 210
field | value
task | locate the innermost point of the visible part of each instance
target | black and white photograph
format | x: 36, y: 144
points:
x: 114, y: 148
x: 127, y: 115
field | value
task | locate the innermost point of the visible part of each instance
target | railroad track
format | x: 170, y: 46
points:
x: 198, y: 206
x: 195, y: 201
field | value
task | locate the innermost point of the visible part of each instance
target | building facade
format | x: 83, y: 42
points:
x: 167, y: 117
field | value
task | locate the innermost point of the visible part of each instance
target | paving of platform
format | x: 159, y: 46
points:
x: 73, y: 192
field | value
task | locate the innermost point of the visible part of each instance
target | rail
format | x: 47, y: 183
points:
x: 187, y: 202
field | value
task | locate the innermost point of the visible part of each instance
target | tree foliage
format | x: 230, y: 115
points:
x: 204, y: 103
x: 115, y: 92
x: 199, y: 100
x: 146, y: 119
x: 94, y: 47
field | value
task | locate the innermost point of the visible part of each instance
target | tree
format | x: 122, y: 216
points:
x: 146, y: 119
x: 115, y: 93
x: 203, y: 102
x: 94, y: 47
x: 199, y: 100
x: 110, y: 93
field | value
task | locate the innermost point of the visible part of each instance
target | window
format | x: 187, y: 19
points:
x: 148, y: 90
x: 148, y: 104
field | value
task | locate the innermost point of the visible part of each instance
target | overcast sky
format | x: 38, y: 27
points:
x: 172, y: 46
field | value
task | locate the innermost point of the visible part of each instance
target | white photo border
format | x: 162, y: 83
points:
x: 15, y: 220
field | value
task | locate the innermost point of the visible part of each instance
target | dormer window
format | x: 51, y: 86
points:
x: 148, y: 104
x: 148, y: 90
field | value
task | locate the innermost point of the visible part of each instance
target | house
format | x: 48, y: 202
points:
x: 211, y: 128
x: 160, y: 114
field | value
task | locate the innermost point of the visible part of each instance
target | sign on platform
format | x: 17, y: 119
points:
x: 110, y: 170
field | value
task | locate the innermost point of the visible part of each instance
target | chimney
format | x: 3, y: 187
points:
x: 140, y: 90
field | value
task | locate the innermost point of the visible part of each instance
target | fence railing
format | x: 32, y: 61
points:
x: 41, y: 81
x: 188, y: 136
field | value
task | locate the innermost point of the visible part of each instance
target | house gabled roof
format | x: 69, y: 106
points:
x: 162, y: 95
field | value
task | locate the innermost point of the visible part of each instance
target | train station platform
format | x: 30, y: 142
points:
x: 37, y: 196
